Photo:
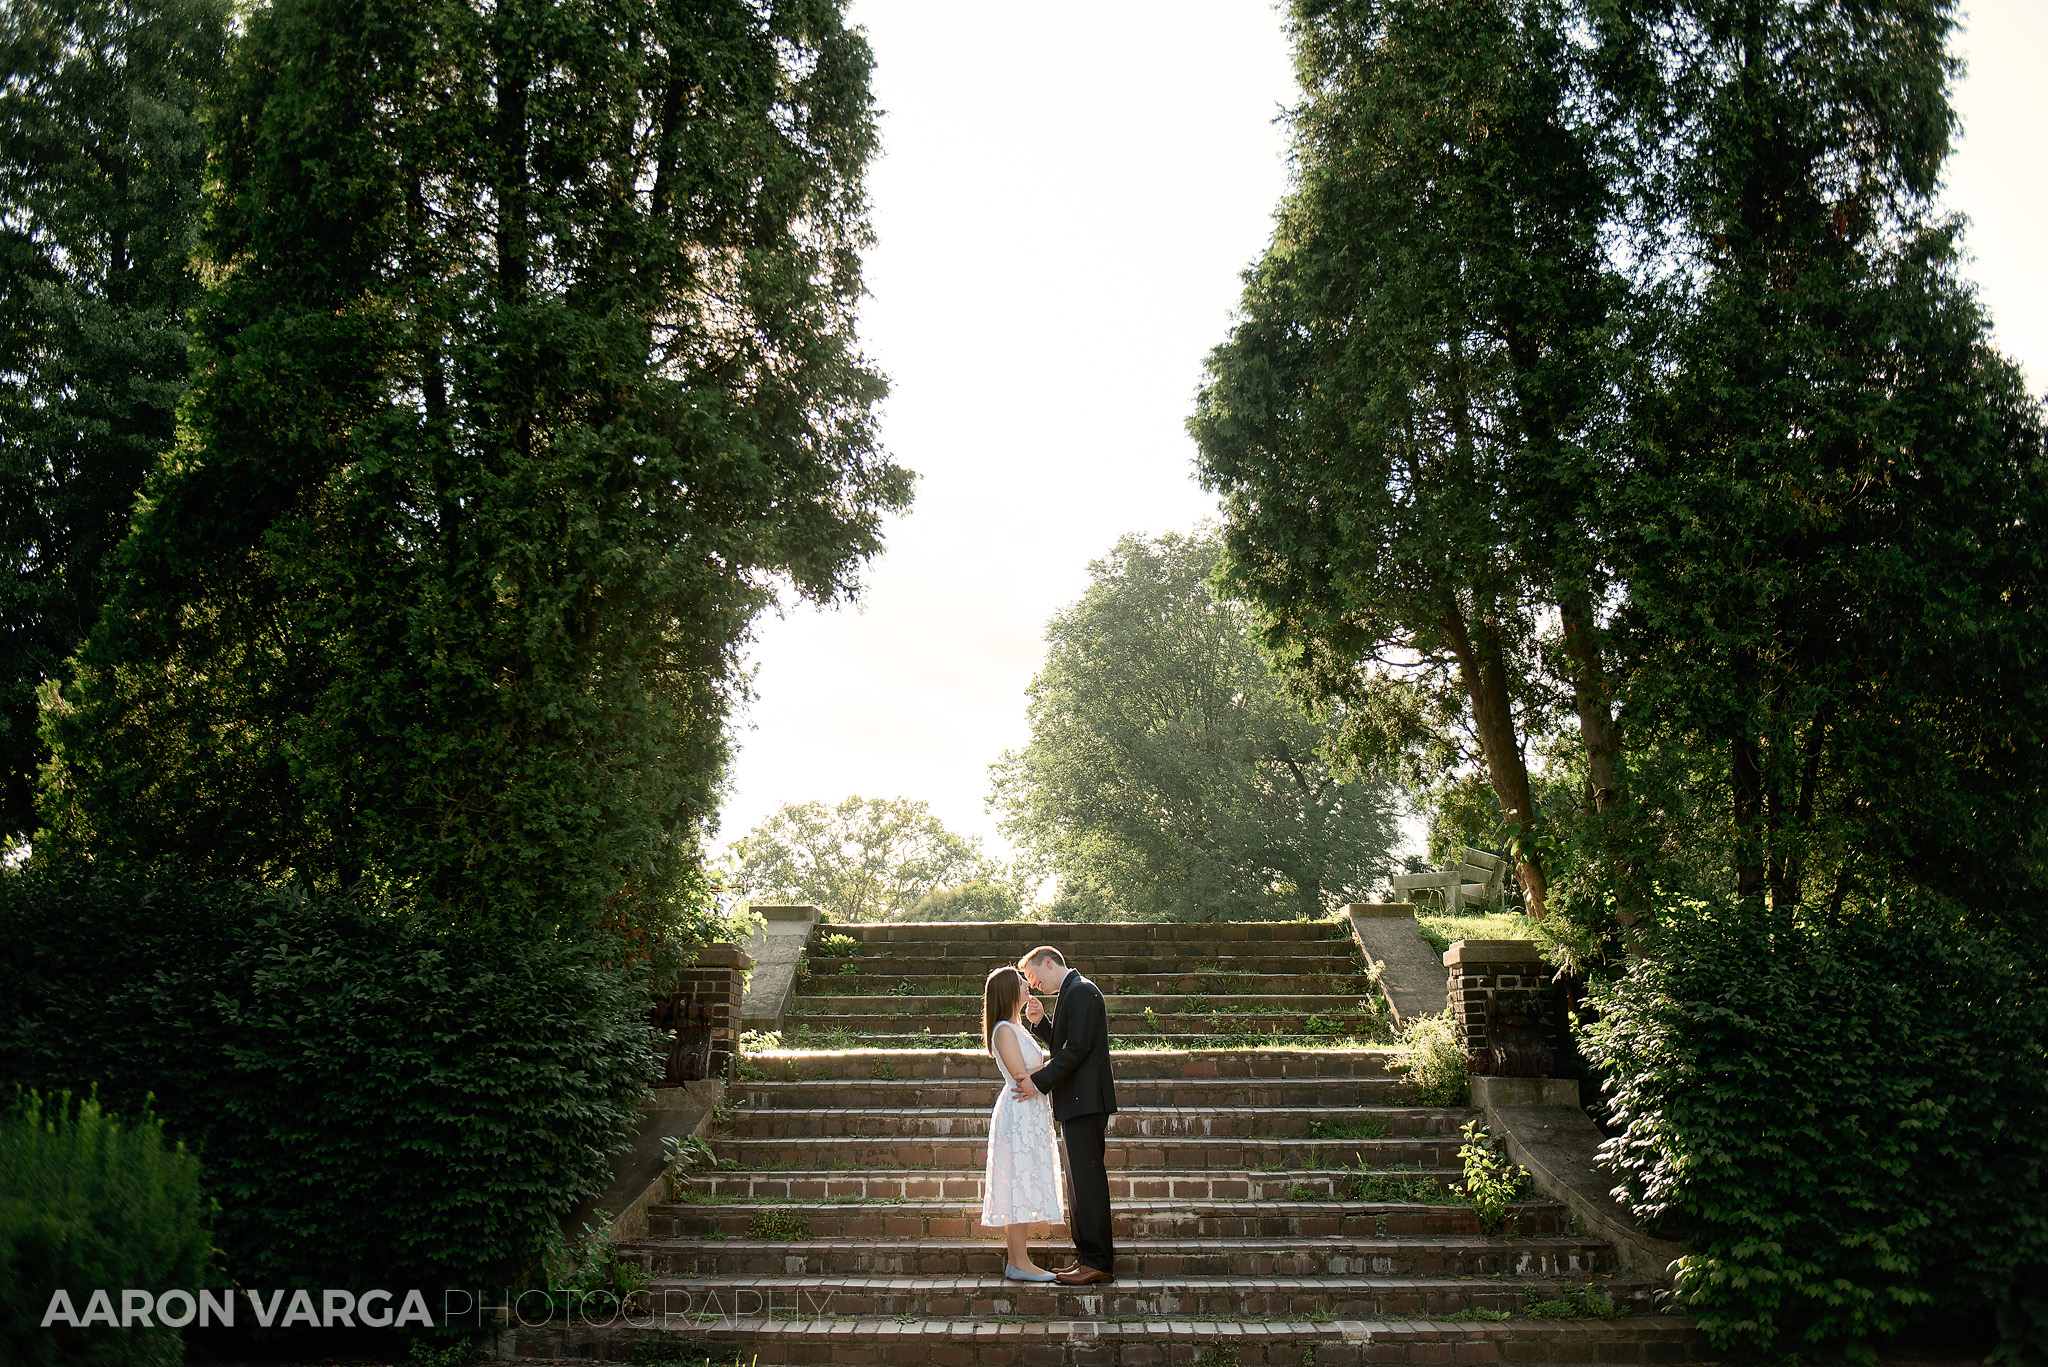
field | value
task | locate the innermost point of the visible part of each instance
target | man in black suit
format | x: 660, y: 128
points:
x: 1083, y: 1093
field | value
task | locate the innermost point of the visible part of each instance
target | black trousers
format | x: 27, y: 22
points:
x: 1088, y: 1191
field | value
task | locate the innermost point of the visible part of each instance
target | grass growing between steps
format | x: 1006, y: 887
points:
x: 1349, y: 1127
x: 1440, y: 931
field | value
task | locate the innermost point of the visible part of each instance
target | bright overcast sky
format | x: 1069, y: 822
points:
x: 1066, y: 197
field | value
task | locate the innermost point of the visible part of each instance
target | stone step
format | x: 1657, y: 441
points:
x: 1178, y: 1297
x: 829, y: 1341
x: 908, y: 1094
x: 1122, y: 1151
x: 1130, y: 1220
x: 982, y: 1255
x: 793, y: 1065
x: 1121, y: 937
x: 965, y: 1019
x: 812, y: 1005
x: 964, y: 1184
x: 1217, y: 1122
x: 1214, y: 975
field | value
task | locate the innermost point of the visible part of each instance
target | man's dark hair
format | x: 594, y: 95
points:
x: 1042, y: 953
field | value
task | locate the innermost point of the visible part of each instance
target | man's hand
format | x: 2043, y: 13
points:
x: 1025, y: 1090
x: 1034, y: 1011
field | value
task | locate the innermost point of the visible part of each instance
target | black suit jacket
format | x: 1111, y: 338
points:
x: 1077, y: 1076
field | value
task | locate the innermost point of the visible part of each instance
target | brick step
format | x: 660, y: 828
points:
x: 1180, y: 1298
x: 964, y: 1184
x: 1317, y: 978
x: 1637, y: 1340
x: 1136, y: 1152
x: 1130, y: 1220
x: 794, y: 1065
x: 982, y: 1255
x: 966, y: 1019
x: 810, y: 1004
x: 804, y: 1040
x: 1117, y: 937
x: 1133, y: 1093
x: 1212, y: 1122
x: 1214, y: 975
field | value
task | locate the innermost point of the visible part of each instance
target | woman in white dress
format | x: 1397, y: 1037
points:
x: 1021, y: 1185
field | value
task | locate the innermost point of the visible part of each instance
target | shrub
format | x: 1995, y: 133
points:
x: 1842, y: 1122
x: 1492, y: 1182
x: 587, y: 1275
x: 88, y: 1202
x: 1435, y: 1064
x: 836, y: 946
x: 378, y: 1099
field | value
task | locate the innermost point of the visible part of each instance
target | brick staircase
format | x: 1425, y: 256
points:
x: 1249, y: 1229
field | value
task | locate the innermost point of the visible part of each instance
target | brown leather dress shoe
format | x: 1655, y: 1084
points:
x: 1079, y: 1275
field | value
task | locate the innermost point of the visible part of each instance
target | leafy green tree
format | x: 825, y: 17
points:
x: 867, y: 859
x: 1168, y: 774
x: 101, y: 153
x: 527, y: 374
x: 1409, y: 422
x: 1830, y: 536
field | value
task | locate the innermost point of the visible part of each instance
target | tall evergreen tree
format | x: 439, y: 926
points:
x: 101, y: 153
x: 1408, y: 422
x: 528, y: 373
x: 1834, y: 623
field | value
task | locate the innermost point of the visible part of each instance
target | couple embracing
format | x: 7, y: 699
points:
x: 1067, y: 1080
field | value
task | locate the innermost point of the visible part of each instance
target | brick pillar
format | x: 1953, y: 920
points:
x: 704, y: 1011
x: 1504, y: 997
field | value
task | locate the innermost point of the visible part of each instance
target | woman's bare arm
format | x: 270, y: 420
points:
x: 1008, y: 1054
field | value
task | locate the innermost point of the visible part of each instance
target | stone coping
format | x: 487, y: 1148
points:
x: 1492, y: 952
x: 1381, y: 909
x: 793, y: 912
x: 722, y: 956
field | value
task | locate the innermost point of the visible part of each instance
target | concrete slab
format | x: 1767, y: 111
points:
x: 1548, y: 1134
x: 1412, y: 976
x: 784, y: 932
x: 636, y: 1174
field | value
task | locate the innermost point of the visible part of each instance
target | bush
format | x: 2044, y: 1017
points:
x: 89, y: 1203
x: 1435, y: 1065
x: 378, y: 1099
x: 1842, y: 1123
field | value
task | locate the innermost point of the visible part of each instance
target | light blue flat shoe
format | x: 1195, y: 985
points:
x: 1014, y: 1275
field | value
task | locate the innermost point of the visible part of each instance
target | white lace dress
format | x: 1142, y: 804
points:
x: 1021, y: 1184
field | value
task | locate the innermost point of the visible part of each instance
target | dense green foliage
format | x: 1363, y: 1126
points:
x: 866, y: 859
x: 1168, y: 774
x: 89, y: 1201
x: 101, y: 153
x: 378, y: 1099
x: 1831, y: 647
x: 525, y: 373
x: 1613, y: 358
x: 1408, y: 421
x: 1627, y: 337
x: 1842, y: 1122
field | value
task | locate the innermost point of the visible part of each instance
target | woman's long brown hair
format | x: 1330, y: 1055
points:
x: 998, y: 999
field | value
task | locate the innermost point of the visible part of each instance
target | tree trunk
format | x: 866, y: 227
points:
x: 1597, y: 733
x: 1482, y: 668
